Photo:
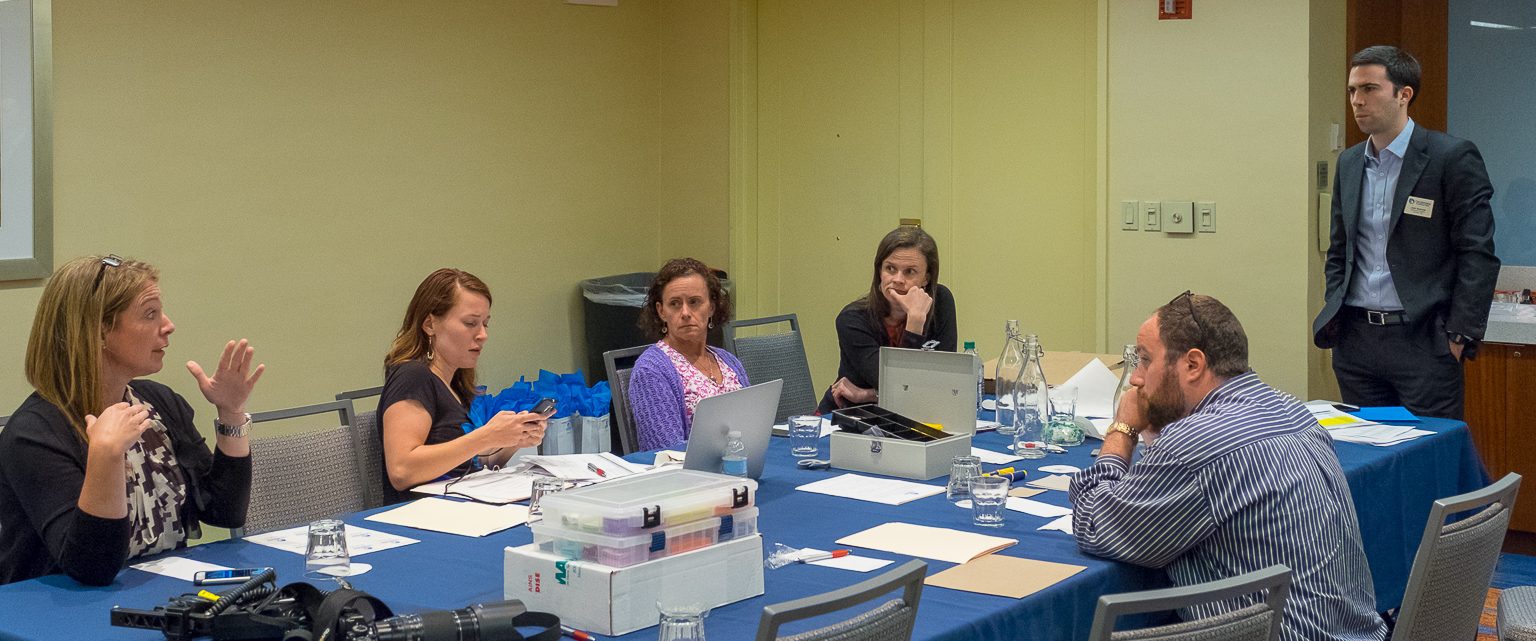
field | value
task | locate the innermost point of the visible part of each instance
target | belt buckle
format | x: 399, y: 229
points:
x: 1375, y: 318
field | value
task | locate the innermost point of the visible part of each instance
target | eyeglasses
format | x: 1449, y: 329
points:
x: 1189, y: 302
x: 110, y: 260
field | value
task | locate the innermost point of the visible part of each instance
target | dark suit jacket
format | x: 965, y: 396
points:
x: 1443, y: 266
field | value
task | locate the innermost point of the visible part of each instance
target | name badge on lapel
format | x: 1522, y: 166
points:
x: 1421, y: 207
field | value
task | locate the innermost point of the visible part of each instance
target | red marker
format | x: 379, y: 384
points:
x: 597, y: 470
x: 573, y: 633
x: 835, y: 554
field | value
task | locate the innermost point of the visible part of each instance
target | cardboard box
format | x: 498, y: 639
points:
x: 1058, y: 366
x: 614, y: 601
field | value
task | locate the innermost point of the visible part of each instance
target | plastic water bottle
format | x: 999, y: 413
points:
x: 734, y: 462
x: 981, y: 375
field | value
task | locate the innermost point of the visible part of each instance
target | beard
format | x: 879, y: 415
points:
x: 1164, y: 406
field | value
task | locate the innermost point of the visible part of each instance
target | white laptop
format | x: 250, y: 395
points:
x: 749, y: 410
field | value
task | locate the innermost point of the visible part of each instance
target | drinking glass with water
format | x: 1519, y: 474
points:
x: 804, y: 436
x: 326, y: 554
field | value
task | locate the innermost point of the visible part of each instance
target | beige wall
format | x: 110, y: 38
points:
x: 296, y: 168
x: 1218, y: 108
x: 1328, y: 77
x: 979, y: 118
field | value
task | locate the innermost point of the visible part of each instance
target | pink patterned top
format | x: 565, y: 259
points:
x: 696, y: 385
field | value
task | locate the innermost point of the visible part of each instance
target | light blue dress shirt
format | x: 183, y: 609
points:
x: 1371, y: 286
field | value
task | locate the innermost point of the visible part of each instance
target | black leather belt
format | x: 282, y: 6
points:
x: 1373, y: 317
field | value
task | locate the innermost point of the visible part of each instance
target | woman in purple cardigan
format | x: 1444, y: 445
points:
x: 684, y: 302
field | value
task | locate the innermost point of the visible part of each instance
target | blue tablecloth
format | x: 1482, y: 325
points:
x: 1393, y: 489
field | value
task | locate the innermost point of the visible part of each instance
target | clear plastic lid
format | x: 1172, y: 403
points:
x: 672, y: 497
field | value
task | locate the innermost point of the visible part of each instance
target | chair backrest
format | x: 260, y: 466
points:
x: 301, y: 477
x: 3, y: 420
x: 618, y: 363
x: 890, y: 621
x: 1455, y: 563
x: 1259, y: 621
x: 367, y: 442
x: 771, y: 356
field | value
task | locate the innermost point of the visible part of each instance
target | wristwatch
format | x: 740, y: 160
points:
x: 236, y: 431
x: 1123, y: 428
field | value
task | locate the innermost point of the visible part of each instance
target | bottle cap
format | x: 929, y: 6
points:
x: 970, y: 345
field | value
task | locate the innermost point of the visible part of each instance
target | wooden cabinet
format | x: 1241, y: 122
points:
x: 1501, y: 412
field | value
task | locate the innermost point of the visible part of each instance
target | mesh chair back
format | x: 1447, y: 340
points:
x: 1455, y: 563
x: 774, y: 356
x: 891, y: 621
x: 1258, y: 621
x: 367, y: 443
x: 301, y: 477
x: 618, y: 363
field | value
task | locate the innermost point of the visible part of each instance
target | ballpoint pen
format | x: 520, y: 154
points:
x: 835, y: 554
x: 573, y: 633
x: 597, y: 470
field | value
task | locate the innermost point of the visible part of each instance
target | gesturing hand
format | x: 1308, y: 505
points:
x: 232, y: 382
x: 118, y: 427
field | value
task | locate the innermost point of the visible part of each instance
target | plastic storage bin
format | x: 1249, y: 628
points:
x: 739, y: 524
x: 640, y: 504
x: 624, y: 551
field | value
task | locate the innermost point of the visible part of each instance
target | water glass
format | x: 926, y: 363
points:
x: 682, y: 622
x: 988, y: 496
x: 326, y: 555
x: 961, y: 470
x: 804, y: 436
x: 542, y: 486
x: 1063, y: 429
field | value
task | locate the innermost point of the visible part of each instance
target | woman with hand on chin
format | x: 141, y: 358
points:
x: 429, y: 382
x: 906, y: 307
x: 97, y: 467
x: 684, y: 302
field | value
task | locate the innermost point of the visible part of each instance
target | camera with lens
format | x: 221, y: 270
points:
x: 258, y: 611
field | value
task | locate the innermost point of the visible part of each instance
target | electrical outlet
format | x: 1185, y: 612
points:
x: 1151, y: 215
x: 1128, y: 216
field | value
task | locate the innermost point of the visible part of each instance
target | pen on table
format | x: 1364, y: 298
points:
x: 835, y: 554
x: 597, y: 470
x: 573, y: 633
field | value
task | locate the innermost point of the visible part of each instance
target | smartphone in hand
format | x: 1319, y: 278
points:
x: 545, y: 407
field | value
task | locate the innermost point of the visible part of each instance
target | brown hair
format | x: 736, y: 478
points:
x: 1193, y: 321
x: 434, y: 297
x: 677, y: 268
x: 79, y: 305
x: 903, y: 237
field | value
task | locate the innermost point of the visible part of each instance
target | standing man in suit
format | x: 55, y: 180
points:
x: 1410, y: 268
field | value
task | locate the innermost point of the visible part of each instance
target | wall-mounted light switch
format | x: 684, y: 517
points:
x: 1151, y: 215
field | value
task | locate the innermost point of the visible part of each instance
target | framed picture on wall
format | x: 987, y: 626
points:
x: 26, y: 139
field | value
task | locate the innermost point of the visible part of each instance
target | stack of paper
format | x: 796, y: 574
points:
x: 582, y: 467
x: 867, y: 488
x: 455, y: 517
x: 1095, y: 390
x: 941, y: 544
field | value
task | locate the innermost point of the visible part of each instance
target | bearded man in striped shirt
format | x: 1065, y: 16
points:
x: 1238, y: 477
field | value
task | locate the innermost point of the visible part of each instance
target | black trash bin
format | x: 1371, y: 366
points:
x: 611, y: 307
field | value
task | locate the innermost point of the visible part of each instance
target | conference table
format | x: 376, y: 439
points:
x: 1393, y: 488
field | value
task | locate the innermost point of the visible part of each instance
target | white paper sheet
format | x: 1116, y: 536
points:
x: 1063, y: 524
x: 983, y: 425
x: 579, y: 467
x: 994, y: 458
x: 1331, y: 418
x: 1095, y: 390
x: 455, y: 517
x: 1060, y: 469
x: 1404, y: 437
x: 491, y: 486
x: 1036, y: 508
x: 944, y: 544
x: 1060, y: 482
x: 176, y: 567
x: 865, y: 488
x: 782, y: 429
x: 1097, y: 427
x: 851, y: 562
x: 1371, y: 434
x: 360, y: 540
